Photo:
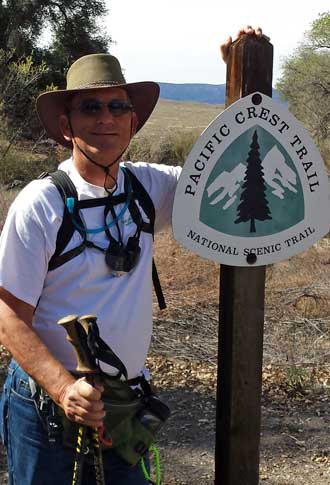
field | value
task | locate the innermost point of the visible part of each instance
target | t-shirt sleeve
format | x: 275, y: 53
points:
x: 160, y: 182
x: 28, y: 240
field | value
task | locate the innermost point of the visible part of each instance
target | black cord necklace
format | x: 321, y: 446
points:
x: 105, y: 168
x: 121, y: 258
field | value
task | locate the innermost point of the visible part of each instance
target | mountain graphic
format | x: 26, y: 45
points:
x: 277, y: 175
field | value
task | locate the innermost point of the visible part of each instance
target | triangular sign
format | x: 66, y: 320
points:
x: 254, y: 189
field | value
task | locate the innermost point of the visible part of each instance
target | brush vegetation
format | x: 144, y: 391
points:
x: 167, y: 138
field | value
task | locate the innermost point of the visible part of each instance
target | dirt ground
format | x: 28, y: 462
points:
x: 295, y: 444
x: 295, y: 430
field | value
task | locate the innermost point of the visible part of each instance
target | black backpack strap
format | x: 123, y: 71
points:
x: 157, y: 286
x: 148, y: 207
x: 143, y: 198
x: 66, y: 189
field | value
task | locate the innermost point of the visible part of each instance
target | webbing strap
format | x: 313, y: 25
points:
x: 67, y: 189
x: 100, y: 350
x: 157, y: 286
x: 115, y: 199
x: 143, y: 197
x: 56, y: 262
x: 149, y: 208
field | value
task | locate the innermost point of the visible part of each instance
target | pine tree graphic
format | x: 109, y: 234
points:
x: 254, y: 204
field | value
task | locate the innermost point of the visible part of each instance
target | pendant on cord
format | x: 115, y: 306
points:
x: 122, y: 258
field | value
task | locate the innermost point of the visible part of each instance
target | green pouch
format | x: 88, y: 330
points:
x: 133, y: 435
x: 121, y: 403
x: 123, y: 422
x: 139, y: 443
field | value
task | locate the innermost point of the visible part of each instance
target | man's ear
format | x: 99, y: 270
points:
x: 65, y: 127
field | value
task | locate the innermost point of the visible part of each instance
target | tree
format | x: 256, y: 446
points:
x: 19, y: 89
x: 305, y: 82
x: 74, y: 30
x: 21, y: 23
x: 254, y: 204
x: 319, y: 35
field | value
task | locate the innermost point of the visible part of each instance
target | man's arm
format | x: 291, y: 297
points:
x: 80, y: 401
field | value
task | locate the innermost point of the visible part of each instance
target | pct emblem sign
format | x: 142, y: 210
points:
x: 254, y: 189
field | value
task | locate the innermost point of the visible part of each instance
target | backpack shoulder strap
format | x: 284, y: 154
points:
x: 66, y: 189
x: 143, y: 197
x: 148, y: 207
x: 62, y: 182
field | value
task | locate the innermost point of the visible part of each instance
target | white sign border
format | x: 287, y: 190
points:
x: 186, y: 218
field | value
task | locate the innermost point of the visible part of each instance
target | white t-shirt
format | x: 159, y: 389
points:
x: 84, y: 285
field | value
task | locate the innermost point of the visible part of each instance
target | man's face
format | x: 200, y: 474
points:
x: 102, y: 133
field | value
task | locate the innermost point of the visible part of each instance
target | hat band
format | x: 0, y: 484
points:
x: 97, y: 84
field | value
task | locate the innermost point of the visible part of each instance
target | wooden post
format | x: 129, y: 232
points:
x: 241, y: 311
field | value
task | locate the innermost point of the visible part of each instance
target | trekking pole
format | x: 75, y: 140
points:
x: 85, y: 321
x: 77, y: 335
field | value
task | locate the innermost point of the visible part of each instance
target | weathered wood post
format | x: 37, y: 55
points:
x: 232, y: 207
x: 241, y: 310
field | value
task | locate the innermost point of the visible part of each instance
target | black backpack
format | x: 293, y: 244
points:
x: 67, y: 190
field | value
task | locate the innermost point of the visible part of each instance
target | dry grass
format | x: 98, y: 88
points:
x: 6, y: 198
x: 183, y: 355
x: 297, y: 304
x: 297, y: 307
x: 171, y: 116
x: 296, y: 377
x: 171, y: 131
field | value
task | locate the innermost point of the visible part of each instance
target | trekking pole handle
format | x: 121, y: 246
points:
x: 85, y: 319
x: 84, y: 362
x: 77, y: 331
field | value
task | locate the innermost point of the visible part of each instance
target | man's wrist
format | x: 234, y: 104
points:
x: 59, y: 395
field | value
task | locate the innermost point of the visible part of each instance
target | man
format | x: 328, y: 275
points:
x: 97, y: 116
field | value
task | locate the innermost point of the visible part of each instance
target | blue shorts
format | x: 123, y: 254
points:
x: 31, y: 459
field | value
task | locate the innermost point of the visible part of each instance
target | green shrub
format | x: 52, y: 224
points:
x: 139, y: 149
x: 182, y: 143
x: 18, y: 92
x: 297, y: 378
x: 19, y: 166
x: 17, y: 169
x: 164, y: 152
x: 171, y: 149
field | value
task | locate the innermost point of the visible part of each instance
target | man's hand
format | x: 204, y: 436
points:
x: 82, y: 403
x: 224, y: 46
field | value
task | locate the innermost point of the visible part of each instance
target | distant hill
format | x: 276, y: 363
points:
x: 201, y: 93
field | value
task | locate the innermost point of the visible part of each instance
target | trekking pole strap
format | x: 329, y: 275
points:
x: 100, y: 350
x: 156, y: 457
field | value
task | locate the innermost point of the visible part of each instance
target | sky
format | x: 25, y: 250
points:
x: 177, y: 41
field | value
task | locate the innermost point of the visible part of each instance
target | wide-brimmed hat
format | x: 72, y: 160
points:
x: 94, y: 71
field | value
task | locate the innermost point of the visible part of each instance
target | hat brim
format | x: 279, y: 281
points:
x: 51, y: 104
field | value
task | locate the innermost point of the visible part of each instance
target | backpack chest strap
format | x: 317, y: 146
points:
x: 67, y: 189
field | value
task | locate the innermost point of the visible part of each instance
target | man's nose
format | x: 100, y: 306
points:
x: 105, y: 114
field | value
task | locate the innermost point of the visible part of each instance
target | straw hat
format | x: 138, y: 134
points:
x: 94, y: 71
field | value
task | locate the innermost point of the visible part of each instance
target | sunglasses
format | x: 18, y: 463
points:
x: 93, y: 107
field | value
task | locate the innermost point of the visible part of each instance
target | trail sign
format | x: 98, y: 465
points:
x: 254, y: 189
